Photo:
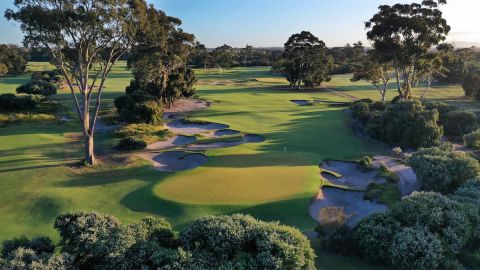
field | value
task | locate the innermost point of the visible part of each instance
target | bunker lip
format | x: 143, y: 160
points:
x: 248, y: 138
x: 175, y: 161
x: 179, y: 127
x: 351, y: 174
x: 179, y: 140
x: 352, y: 203
x: 301, y: 102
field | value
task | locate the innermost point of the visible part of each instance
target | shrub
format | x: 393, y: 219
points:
x: 472, y: 140
x: 43, y: 88
x: 366, y: 163
x: 10, y: 102
x: 443, y: 109
x: 416, y: 248
x: 407, y: 124
x: 459, y: 123
x: 138, y: 130
x: 440, y: 215
x: 331, y: 220
x: 139, y: 109
x: 224, y: 240
x: 374, y: 236
x: 361, y: 111
x: 442, y: 169
x: 391, y: 177
x: 471, y: 85
x: 131, y: 143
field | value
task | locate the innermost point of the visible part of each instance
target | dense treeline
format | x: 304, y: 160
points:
x: 96, y: 241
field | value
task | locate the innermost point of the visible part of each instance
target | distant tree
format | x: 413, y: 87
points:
x: 377, y: 73
x: 85, y: 39
x: 455, y: 68
x: 471, y: 85
x: 13, y: 59
x: 246, y: 55
x: 403, y: 34
x: 430, y: 68
x: 200, y: 56
x: 304, y: 61
x: 222, y: 57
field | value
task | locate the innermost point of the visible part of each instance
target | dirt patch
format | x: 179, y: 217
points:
x: 173, y: 142
x: 352, y: 203
x: 225, y: 132
x: 180, y: 127
x: 350, y: 174
x: 175, y: 161
x: 408, y: 179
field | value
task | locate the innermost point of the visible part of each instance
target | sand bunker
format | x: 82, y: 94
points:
x: 175, y: 161
x: 301, y: 102
x: 351, y: 174
x: 253, y: 138
x: 408, y: 179
x: 332, y: 103
x: 225, y: 132
x: 179, y: 126
x: 352, y: 203
x: 172, y: 142
x: 248, y: 138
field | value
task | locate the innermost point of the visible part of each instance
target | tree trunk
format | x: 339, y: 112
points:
x: 399, y: 88
x: 89, y: 150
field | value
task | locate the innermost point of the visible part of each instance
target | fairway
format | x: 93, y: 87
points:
x: 273, y: 180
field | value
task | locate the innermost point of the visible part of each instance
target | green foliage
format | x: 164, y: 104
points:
x: 39, y: 245
x: 131, y: 143
x: 425, y: 230
x: 387, y: 193
x: 13, y: 59
x: 43, y: 83
x: 407, y: 123
x: 391, y: 177
x: 416, y: 248
x: 147, y: 133
x: 472, y: 139
x: 10, y: 102
x: 442, y: 169
x: 374, y: 236
x: 366, y: 163
x: 304, y: 61
x: 224, y: 240
x: 459, y: 123
x: 471, y: 85
x: 139, y: 109
x: 95, y: 241
x: 442, y: 108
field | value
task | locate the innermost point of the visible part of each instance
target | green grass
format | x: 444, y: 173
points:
x: 273, y: 180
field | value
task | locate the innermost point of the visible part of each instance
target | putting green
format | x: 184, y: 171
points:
x: 243, y: 179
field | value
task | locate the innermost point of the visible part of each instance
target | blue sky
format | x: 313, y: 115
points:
x: 267, y: 23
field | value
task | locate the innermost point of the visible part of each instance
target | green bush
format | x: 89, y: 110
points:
x: 374, y: 236
x: 138, y: 130
x: 131, y: 143
x: 43, y: 88
x: 90, y: 240
x: 139, y: 109
x: 443, y: 217
x: 442, y: 169
x: 472, y: 140
x: 10, y: 102
x: 459, y: 123
x: 366, y: 163
x: 409, y: 125
x: 361, y: 111
x: 443, y: 109
x: 471, y: 85
x: 416, y: 248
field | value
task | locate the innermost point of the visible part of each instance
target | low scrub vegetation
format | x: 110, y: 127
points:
x: 407, y: 124
x: 43, y: 83
x: 442, y: 169
x: 138, y: 136
x: 472, y: 140
x: 96, y: 241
